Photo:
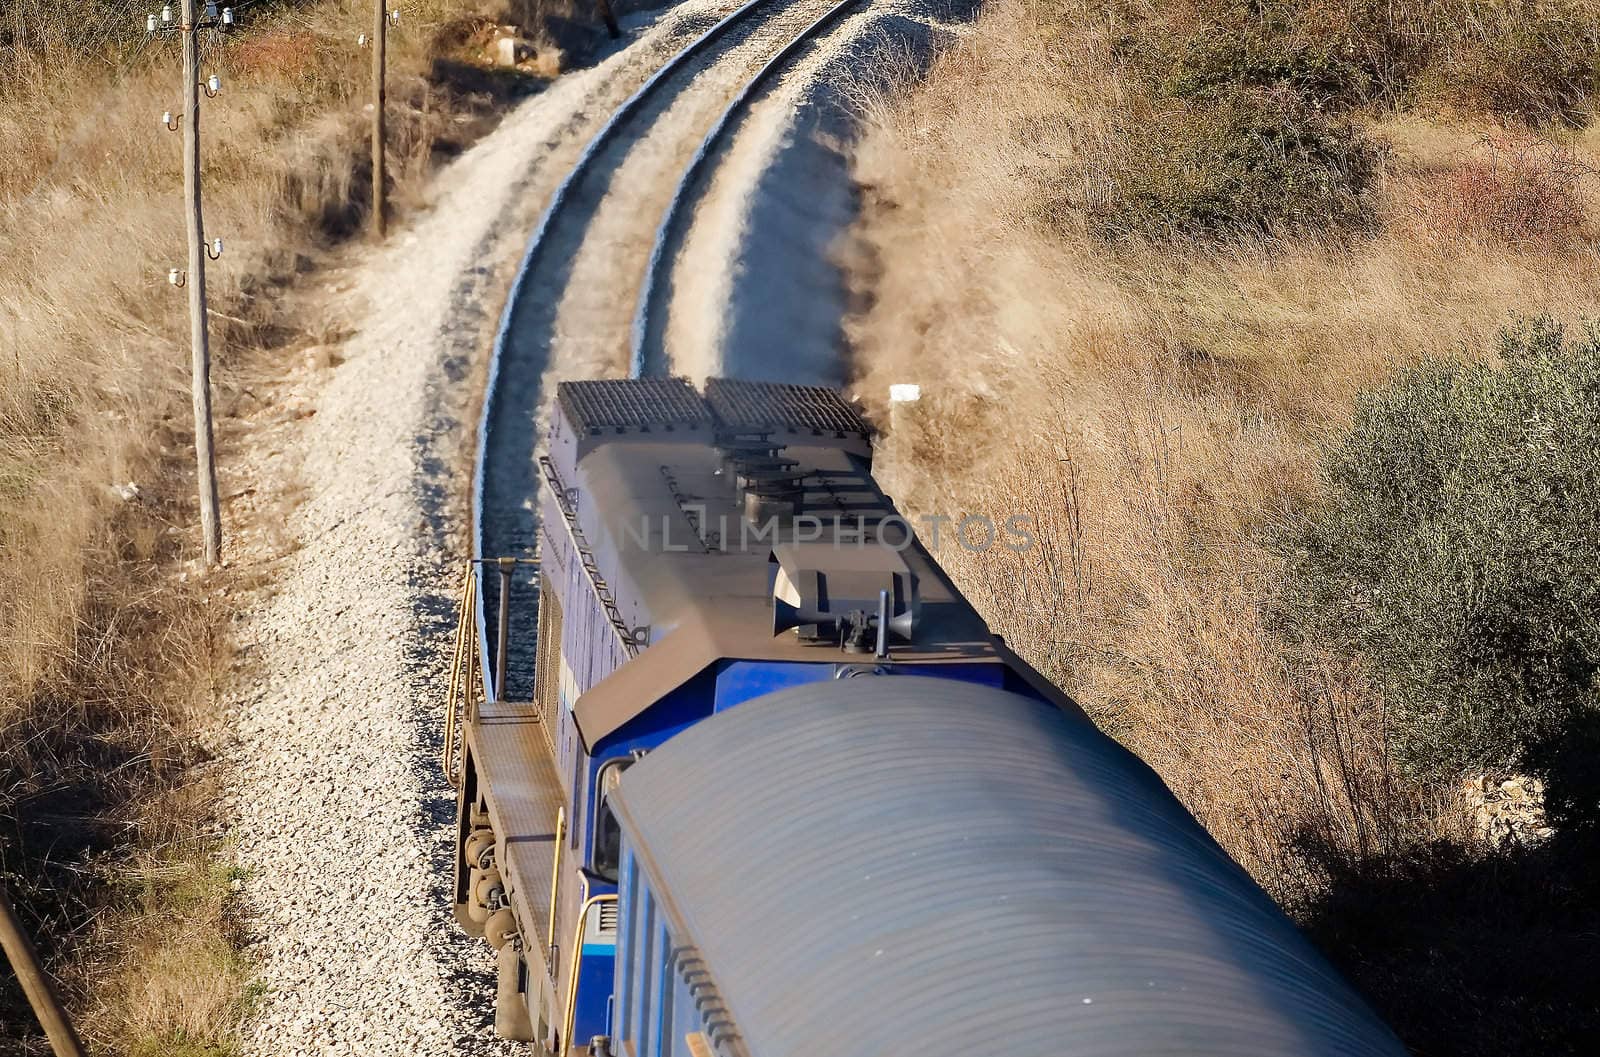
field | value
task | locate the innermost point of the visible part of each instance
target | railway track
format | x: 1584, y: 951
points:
x: 335, y: 806
x: 599, y: 259
x: 648, y: 335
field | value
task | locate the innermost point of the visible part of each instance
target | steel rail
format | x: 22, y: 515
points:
x: 601, y: 139
x: 650, y: 294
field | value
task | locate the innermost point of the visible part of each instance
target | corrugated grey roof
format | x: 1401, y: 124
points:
x: 611, y: 403
x: 900, y: 865
x: 741, y: 406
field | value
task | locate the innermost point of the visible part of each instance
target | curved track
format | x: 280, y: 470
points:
x: 647, y: 348
x: 555, y: 287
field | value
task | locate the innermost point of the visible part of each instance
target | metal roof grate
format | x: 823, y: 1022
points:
x: 748, y: 407
x: 620, y: 403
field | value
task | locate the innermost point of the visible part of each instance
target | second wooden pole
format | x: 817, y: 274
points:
x: 199, y: 335
x: 380, y: 39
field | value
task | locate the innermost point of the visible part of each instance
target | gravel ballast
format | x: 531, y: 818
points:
x: 340, y: 818
x: 756, y: 289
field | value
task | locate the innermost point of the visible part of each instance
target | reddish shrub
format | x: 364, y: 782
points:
x: 279, y: 54
x: 1521, y: 192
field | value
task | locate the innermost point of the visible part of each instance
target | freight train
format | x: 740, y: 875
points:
x: 778, y: 790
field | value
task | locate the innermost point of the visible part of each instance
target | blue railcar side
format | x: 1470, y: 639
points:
x: 654, y: 1004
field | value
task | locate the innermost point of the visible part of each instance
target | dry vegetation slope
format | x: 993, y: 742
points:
x: 1142, y: 259
x: 112, y: 650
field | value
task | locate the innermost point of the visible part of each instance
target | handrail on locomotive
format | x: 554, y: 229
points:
x: 468, y: 684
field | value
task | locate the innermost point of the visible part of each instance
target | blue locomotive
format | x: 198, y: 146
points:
x: 775, y: 789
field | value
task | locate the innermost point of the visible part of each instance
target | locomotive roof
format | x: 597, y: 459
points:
x: 663, y: 517
x: 900, y: 864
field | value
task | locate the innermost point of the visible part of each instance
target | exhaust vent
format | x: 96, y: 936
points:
x: 864, y: 595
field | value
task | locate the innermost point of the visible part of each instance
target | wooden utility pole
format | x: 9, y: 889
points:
x: 380, y: 40
x: 199, y: 337
x: 35, y: 984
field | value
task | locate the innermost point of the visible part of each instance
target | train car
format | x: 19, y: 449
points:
x: 889, y: 866
x: 715, y: 552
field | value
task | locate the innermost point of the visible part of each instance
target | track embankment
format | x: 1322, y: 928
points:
x: 750, y: 281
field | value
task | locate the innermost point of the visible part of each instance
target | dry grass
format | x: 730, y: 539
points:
x: 1159, y: 408
x: 171, y: 967
x: 90, y: 206
x: 113, y: 651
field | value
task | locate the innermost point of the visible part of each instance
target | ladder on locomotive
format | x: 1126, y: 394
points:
x: 602, y: 590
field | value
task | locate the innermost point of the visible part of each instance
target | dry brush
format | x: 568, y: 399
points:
x: 1142, y: 259
x: 114, y: 652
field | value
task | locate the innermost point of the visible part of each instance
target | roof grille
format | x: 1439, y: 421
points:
x: 765, y: 407
x: 632, y: 403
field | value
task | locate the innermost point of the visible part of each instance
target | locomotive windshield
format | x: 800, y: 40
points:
x: 607, y: 831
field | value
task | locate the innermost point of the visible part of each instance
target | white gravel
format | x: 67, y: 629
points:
x: 756, y: 286
x: 338, y: 812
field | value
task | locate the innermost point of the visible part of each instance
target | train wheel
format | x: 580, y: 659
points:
x: 479, y: 849
x: 501, y: 928
x: 472, y: 817
x: 488, y: 891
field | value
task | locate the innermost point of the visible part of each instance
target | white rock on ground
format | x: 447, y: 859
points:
x: 339, y: 814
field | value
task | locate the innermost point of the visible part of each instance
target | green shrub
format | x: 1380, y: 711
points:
x: 1246, y: 161
x: 1348, y: 52
x: 1533, y: 61
x: 1458, y: 552
x: 1529, y: 61
x: 1242, y: 116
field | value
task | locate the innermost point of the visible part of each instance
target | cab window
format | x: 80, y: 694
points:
x: 607, y: 843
